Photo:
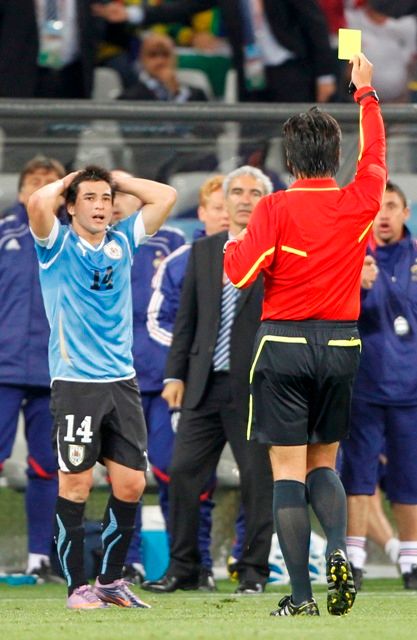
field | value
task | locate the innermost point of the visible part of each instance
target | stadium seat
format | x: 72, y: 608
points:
x: 107, y: 84
x: 197, y: 79
x: 8, y: 189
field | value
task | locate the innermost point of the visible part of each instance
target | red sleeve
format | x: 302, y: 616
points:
x: 246, y: 257
x: 371, y: 173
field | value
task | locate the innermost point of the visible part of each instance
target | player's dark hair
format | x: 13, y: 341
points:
x: 394, y: 188
x: 91, y: 173
x: 40, y: 162
x: 312, y: 144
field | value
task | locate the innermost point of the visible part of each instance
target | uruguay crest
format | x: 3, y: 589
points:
x: 76, y: 453
x: 113, y: 250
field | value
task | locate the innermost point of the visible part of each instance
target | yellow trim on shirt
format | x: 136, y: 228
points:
x: 361, y: 138
x: 297, y: 252
x: 313, y: 189
x: 365, y: 231
x: 254, y: 267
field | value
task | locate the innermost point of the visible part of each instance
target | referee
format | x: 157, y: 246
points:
x: 309, y: 242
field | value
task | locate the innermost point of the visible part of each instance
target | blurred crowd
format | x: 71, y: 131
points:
x: 281, y: 50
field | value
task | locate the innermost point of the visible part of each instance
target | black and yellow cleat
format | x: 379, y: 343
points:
x: 341, y: 591
x: 286, y: 607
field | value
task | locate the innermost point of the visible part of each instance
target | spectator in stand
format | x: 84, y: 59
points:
x: 47, y: 48
x: 157, y: 78
x: 392, y: 61
x: 24, y: 375
x: 395, y: 9
x: 280, y: 48
x: 334, y: 12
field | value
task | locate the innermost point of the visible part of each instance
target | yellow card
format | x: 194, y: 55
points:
x: 350, y: 41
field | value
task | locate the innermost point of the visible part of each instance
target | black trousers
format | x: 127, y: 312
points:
x: 202, y: 435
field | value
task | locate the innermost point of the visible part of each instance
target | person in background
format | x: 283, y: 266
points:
x: 393, y: 61
x: 280, y: 48
x: 162, y: 311
x: 384, y: 409
x: 47, y: 48
x: 206, y: 376
x: 149, y: 362
x: 309, y: 243
x: 157, y: 77
x: 24, y: 375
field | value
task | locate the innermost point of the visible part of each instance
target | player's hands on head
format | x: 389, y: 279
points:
x: 361, y: 71
x: 66, y: 180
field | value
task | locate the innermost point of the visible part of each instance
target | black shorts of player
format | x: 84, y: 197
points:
x: 301, y: 381
x: 98, y: 420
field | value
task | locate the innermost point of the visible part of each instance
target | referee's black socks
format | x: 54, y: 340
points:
x: 69, y: 538
x: 292, y: 524
x: 118, y: 528
x: 328, y: 500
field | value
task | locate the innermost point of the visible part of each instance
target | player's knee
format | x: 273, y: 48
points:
x: 132, y: 490
x: 75, y: 487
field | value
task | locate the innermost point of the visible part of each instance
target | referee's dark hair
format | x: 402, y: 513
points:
x: 92, y: 173
x: 312, y: 144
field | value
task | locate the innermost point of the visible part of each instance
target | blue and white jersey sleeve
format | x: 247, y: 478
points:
x: 163, y: 305
x: 133, y: 228
x: 49, y: 248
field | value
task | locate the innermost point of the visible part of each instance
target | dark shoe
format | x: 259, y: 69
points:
x: 286, y: 607
x: 134, y: 573
x: 169, y: 584
x: 45, y: 575
x: 357, y: 577
x: 410, y: 578
x: 206, y: 580
x: 248, y: 587
x: 341, y: 590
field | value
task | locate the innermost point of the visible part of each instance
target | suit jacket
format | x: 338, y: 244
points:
x: 197, y: 326
x: 299, y: 25
x: 19, y: 45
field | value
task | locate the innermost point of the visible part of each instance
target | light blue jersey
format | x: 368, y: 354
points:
x: 87, y: 296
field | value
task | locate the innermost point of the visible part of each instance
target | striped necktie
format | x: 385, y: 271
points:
x: 221, y: 356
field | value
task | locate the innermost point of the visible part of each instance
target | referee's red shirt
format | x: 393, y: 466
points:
x: 309, y: 241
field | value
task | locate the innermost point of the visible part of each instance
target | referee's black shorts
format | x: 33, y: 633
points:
x: 301, y: 381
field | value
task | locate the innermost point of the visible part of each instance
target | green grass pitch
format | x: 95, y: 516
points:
x: 382, y: 611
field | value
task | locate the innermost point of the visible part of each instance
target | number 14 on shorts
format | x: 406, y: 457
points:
x: 84, y: 430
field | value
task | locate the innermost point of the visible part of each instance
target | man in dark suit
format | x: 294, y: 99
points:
x: 20, y: 74
x: 302, y: 67
x: 158, y: 78
x: 210, y: 382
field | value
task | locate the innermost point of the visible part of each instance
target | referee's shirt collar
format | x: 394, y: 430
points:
x: 319, y: 184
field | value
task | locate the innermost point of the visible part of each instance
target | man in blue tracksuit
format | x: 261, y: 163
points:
x: 165, y: 300
x: 384, y: 405
x: 149, y: 362
x: 24, y: 374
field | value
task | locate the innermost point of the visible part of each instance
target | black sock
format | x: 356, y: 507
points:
x: 328, y: 500
x: 69, y: 538
x: 292, y: 523
x: 118, y: 528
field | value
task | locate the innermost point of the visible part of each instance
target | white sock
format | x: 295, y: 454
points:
x: 392, y: 549
x: 408, y: 555
x: 35, y: 560
x: 355, y: 546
